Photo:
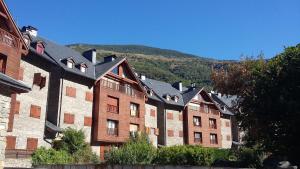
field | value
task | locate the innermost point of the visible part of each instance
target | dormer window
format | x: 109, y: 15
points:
x: 150, y: 92
x: 40, y: 47
x: 70, y: 63
x: 175, y: 98
x: 168, y: 97
x: 83, y: 67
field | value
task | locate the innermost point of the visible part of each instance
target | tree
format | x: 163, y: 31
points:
x: 269, y: 102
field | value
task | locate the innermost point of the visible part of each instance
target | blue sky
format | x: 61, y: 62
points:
x: 209, y: 28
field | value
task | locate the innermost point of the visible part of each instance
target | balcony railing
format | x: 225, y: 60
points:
x: 17, y: 153
x: 213, y: 126
x: 112, y: 131
x: 123, y: 89
x: 112, y: 108
x: 197, y: 140
x: 8, y: 39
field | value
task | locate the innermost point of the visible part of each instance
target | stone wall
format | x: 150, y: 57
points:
x: 76, y: 105
x: 4, y: 111
x: 151, y: 122
x: 174, y: 127
x: 29, y: 122
x: 226, y: 133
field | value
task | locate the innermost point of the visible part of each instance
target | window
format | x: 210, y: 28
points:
x: 198, y: 137
x: 129, y: 90
x: 213, y: 123
x: 40, y: 48
x: 227, y: 124
x: 115, y: 70
x: 213, y: 139
x: 3, y: 59
x: 175, y: 98
x: 205, y: 108
x: 228, y: 138
x: 197, y: 121
x: 112, y: 127
x: 193, y: 107
x: 134, y: 110
x: 168, y: 97
x: 70, y: 63
x: 112, y: 105
x: 39, y: 80
x: 133, y: 129
x: 83, y: 68
x: 150, y: 92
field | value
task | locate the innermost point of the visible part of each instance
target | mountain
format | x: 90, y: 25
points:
x: 160, y: 64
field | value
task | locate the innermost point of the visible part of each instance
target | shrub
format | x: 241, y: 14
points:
x: 70, y: 149
x: 136, y: 151
x: 184, y: 155
x: 50, y: 156
x: 71, y: 141
x: 250, y: 157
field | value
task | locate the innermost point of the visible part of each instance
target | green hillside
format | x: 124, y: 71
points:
x: 159, y: 64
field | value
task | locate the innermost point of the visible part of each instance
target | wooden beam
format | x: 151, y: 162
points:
x: 3, y: 15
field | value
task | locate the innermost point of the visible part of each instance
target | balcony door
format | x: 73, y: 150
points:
x: 3, y: 59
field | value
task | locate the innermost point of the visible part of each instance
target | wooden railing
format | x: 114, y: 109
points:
x: 112, y: 131
x: 8, y: 39
x: 112, y: 108
x: 123, y: 89
x: 198, y: 140
x: 16, y: 153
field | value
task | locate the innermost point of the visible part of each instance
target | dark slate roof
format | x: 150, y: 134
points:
x: 226, y: 101
x: 189, y: 94
x: 103, y: 67
x: 18, y: 85
x: 160, y: 89
x: 59, y: 53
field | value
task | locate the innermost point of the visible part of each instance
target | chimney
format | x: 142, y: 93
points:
x: 32, y: 31
x: 110, y: 58
x: 178, y: 86
x: 91, y: 55
x: 143, y: 77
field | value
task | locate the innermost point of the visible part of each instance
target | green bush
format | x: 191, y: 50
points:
x: 250, y: 157
x: 185, y: 155
x: 71, y: 141
x: 50, y: 156
x: 70, y: 149
x: 136, y: 151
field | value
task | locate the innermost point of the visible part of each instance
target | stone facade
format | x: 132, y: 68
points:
x: 4, y: 111
x: 151, y: 122
x: 76, y: 104
x: 30, y: 123
x: 174, y: 127
x: 226, y: 132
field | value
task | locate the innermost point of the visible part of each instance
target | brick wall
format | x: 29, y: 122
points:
x: 29, y: 120
x: 204, y: 128
x: 151, y: 122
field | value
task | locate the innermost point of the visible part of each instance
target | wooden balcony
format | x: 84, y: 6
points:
x: 112, y: 109
x: 123, y: 89
x: 17, y: 153
x: 9, y: 39
x: 112, y: 131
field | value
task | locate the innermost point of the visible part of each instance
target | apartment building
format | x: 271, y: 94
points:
x: 185, y: 115
x: 12, y: 47
x: 231, y: 134
x: 69, y: 89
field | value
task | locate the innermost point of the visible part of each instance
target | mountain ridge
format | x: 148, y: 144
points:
x: 160, y: 64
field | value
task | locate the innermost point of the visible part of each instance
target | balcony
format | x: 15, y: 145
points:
x: 112, y: 109
x: 112, y: 131
x: 198, y: 140
x: 123, y: 89
x: 8, y: 39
